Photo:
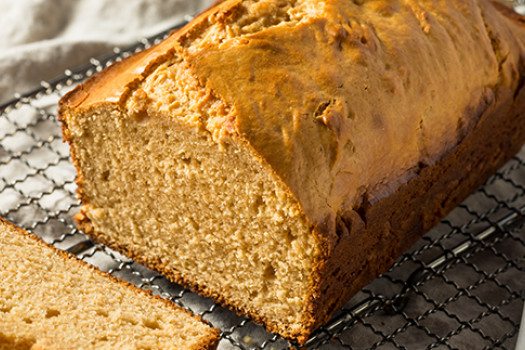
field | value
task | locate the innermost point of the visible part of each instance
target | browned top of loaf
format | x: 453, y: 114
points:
x: 345, y: 100
x: 116, y: 82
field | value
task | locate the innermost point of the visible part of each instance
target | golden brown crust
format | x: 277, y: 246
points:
x: 210, y: 343
x: 347, y: 229
x: 508, y: 12
x: 114, y: 83
x: 420, y: 204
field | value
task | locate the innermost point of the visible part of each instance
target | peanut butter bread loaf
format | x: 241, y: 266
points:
x: 277, y: 155
x: 51, y: 300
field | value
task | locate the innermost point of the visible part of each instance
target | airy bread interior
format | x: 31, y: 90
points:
x: 48, y: 301
x: 164, y: 181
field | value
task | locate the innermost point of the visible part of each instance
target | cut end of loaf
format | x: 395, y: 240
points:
x: 187, y: 198
x: 188, y: 152
x: 50, y: 300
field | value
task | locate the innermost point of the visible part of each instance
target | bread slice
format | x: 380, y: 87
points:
x: 51, y: 300
x: 277, y: 155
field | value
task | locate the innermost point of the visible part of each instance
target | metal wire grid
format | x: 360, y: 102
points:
x: 461, y: 286
x: 469, y: 297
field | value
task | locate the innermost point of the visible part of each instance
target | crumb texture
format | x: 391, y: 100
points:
x: 50, y: 301
x: 205, y: 210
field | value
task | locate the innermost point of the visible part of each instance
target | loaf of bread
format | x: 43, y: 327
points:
x: 277, y: 155
x: 51, y: 300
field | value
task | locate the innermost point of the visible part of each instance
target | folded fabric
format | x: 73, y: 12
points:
x: 41, y: 38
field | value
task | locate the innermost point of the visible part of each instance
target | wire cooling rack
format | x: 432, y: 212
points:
x: 462, y: 286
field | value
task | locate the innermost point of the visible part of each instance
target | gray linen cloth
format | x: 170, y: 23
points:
x: 39, y: 39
